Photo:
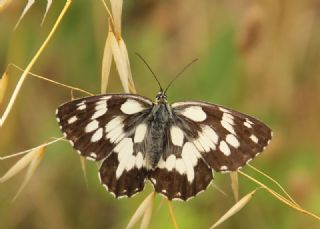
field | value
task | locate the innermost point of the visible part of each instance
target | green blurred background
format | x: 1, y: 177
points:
x: 259, y: 57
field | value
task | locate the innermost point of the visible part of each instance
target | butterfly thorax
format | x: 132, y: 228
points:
x: 159, y: 122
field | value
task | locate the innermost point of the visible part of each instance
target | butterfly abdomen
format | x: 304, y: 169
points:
x: 157, y: 134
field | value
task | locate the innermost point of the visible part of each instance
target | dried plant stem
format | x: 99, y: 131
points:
x: 274, y: 181
x: 52, y: 81
x: 27, y: 151
x: 280, y: 197
x: 108, y: 11
x: 172, y: 216
x: 33, y: 60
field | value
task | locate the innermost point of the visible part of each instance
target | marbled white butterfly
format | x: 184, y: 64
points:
x: 176, y: 147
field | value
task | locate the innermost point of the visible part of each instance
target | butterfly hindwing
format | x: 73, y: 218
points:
x: 226, y: 139
x: 124, y: 172
x: 95, y: 124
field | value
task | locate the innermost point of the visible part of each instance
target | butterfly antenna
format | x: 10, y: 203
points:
x: 179, y: 74
x: 154, y: 75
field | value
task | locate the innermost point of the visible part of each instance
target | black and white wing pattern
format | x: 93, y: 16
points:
x: 226, y: 139
x: 104, y: 127
x: 181, y: 173
x: 176, y: 147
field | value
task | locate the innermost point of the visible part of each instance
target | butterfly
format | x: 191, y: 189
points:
x: 177, y: 147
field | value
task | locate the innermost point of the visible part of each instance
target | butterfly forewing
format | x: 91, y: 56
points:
x: 226, y: 139
x: 94, y: 125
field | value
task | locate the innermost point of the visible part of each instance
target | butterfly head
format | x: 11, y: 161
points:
x: 161, y: 97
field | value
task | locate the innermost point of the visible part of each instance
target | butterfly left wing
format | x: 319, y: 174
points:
x: 110, y: 127
x: 95, y: 125
x: 226, y: 139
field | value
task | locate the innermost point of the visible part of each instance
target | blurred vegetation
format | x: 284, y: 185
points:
x: 259, y: 57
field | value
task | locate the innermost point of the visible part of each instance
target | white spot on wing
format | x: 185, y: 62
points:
x: 211, y: 134
x: 106, y: 97
x: 170, y: 162
x: 94, y: 155
x: 247, y: 124
x: 181, y: 166
x: 99, y: 113
x: 114, y: 128
x: 227, y: 126
x: 224, y: 148
x: 140, y: 133
x: 139, y: 160
x: 82, y: 107
x: 189, y: 159
x: 223, y: 167
x: 228, y: 118
x: 161, y: 163
x: 194, y: 113
x: 124, y: 154
x: 176, y: 135
x: 224, y: 110
x: 254, y: 138
x: 72, y: 119
x: 232, y: 140
x: 97, y: 135
x: 131, y: 107
x: 101, y: 105
x: 130, y: 163
x: 91, y: 126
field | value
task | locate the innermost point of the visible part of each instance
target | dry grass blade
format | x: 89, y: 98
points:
x: 147, y: 216
x: 83, y: 168
x: 52, y: 81
x: 172, y: 216
x: 31, y: 63
x: 235, y: 208
x: 125, y: 57
x: 274, y: 181
x: 32, y: 149
x: 19, y: 165
x: 3, y: 86
x: 235, y: 185
x: 106, y: 64
x: 140, y: 210
x: 120, y: 62
x: 116, y: 6
x: 49, y: 2
x: 4, y: 4
x: 218, y: 189
x: 25, y: 10
x: 31, y: 170
x: 281, y: 198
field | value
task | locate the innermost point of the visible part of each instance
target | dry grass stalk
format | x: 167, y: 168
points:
x: 21, y: 164
x: 172, y: 216
x: 31, y: 63
x: 235, y: 208
x: 274, y: 181
x: 32, y: 149
x: 3, y: 85
x: 235, y: 185
x: 281, y: 198
x: 147, y: 215
x: 84, y: 170
x: 115, y: 46
x: 31, y: 170
x: 148, y: 201
x: 52, y: 81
